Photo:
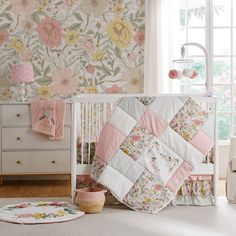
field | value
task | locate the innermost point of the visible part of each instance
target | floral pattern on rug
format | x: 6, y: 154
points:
x: 75, y: 46
x: 189, y: 120
x: 39, y: 213
x: 147, y: 194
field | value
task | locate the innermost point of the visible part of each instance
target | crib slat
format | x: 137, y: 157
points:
x: 82, y: 133
x: 89, y: 132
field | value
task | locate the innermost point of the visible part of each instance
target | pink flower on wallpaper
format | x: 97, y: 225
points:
x: 87, y: 45
x: 132, y: 56
x: 24, y: 7
x: 68, y: 4
x: 3, y: 37
x: 114, y: 89
x: 50, y: 32
x: 90, y: 69
x: 26, y: 55
x: 139, y: 38
x: 64, y: 83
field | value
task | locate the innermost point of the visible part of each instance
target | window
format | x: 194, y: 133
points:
x: 211, y: 23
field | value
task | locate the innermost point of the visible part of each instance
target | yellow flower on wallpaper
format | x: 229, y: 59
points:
x: 98, y: 55
x: 120, y: 32
x: 71, y: 37
x: 91, y: 89
x: 44, y: 91
x: 43, y: 5
x: 118, y: 8
x: 17, y: 44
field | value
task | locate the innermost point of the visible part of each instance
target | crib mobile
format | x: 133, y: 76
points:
x: 182, y: 68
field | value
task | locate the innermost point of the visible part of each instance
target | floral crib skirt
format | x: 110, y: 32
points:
x: 196, y: 190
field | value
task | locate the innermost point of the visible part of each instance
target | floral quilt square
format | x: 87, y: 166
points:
x: 136, y: 142
x: 98, y: 167
x: 189, y: 119
x: 148, y: 194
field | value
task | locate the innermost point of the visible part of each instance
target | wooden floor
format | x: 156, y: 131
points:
x: 35, y: 188
x: 46, y: 188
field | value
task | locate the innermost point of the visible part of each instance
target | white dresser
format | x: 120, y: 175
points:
x: 25, y: 152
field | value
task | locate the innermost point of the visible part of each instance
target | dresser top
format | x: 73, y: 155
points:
x: 19, y: 103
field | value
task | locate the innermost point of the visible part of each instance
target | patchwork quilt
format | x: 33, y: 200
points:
x: 149, y: 147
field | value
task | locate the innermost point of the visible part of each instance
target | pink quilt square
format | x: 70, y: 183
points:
x: 151, y: 121
x: 179, y: 176
x: 108, y: 143
x: 202, y: 142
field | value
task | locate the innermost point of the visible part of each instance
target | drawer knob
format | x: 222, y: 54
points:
x: 53, y: 162
x: 18, y: 114
x: 18, y: 138
x: 18, y: 162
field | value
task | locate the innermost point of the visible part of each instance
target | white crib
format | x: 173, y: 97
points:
x: 89, y: 114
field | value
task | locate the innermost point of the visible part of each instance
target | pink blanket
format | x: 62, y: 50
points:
x: 48, y: 118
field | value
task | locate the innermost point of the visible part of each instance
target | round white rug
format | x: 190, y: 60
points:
x: 39, y: 213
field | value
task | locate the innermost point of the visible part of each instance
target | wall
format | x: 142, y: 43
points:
x: 75, y: 46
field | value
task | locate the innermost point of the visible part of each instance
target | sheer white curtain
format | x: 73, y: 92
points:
x: 162, y: 44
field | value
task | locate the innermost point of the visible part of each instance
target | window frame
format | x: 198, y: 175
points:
x: 209, y: 45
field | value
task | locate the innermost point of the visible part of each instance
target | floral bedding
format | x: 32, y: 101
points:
x: 149, y: 147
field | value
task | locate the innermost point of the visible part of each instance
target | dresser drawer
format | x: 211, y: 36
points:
x: 21, y: 115
x: 36, y: 162
x: 20, y: 138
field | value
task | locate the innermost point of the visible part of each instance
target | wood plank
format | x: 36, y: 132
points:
x: 35, y: 188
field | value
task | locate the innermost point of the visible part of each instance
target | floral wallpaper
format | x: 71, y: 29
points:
x: 75, y: 46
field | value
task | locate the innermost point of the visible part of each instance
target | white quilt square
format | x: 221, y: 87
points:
x: 126, y: 165
x: 166, y: 107
x: 115, y: 181
x: 159, y: 160
x: 209, y: 126
x: 122, y: 121
x: 181, y: 147
x: 133, y: 107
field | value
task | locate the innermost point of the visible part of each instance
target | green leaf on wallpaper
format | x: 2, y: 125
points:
x: 142, y: 14
x: 75, y: 26
x: 99, y: 67
x: 7, y: 16
x: 117, y: 71
x: 46, y: 80
x: 47, y: 70
x: 37, y: 70
x: 106, y: 70
x: 59, y: 3
x: 90, y: 32
x: 78, y: 16
x: 8, y: 7
x: 118, y: 53
x: 35, y: 17
x: 131, y: 17
x: 5, y: 26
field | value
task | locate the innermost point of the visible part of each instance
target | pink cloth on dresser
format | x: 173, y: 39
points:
x: 48, y: 118
x: 60, y: 107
